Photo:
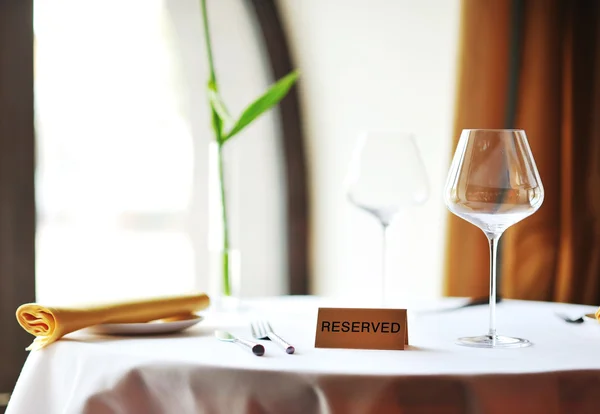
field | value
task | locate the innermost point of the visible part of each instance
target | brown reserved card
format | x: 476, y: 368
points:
x: 354, y: 328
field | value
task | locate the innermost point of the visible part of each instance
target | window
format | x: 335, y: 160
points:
x: 115, y: 157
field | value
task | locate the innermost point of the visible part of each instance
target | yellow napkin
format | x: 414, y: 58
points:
x: 598, y: 315
x: 49, y: 324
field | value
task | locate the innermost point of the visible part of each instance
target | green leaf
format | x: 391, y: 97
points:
x: 217, y: 125
x: 269, y: 99
x: 217, y: 104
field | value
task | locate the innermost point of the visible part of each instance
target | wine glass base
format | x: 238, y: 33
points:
x: 497, y: 341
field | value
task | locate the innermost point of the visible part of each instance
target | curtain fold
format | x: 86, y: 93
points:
x: 555, y: 253
x: 480, y: 102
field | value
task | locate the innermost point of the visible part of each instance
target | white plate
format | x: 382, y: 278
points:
x: 148, y: 328
x: 591, y: 317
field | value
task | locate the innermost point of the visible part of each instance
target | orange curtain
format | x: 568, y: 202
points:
x: 553, y: 93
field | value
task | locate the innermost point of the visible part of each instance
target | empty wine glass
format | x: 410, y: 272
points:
x: 493, y: 183
x: 385, y: 175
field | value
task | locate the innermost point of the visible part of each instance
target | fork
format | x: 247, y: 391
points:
x: 263, y: 330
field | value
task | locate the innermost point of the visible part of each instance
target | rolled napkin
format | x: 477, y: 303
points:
x: 49, y: 324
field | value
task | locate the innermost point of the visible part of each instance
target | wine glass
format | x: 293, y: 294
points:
x: 386, y: 174
x: 493, y: 183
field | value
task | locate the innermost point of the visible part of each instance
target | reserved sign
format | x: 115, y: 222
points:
x: 362, y: 328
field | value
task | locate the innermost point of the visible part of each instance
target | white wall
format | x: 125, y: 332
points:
x: 370, y: 65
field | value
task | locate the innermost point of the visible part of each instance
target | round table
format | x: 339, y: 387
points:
x: 193, y: 372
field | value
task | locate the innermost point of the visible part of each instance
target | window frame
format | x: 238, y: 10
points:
x: 17, y: 192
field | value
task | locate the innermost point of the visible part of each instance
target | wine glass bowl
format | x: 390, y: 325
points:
x: 386, y: 174
x: 493, y: 183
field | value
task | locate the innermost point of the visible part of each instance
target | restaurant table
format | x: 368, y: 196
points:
x: 193, y: 372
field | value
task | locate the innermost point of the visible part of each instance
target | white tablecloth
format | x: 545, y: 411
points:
x: 192, y: 372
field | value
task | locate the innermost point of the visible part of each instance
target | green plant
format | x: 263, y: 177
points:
x: 225, y: 127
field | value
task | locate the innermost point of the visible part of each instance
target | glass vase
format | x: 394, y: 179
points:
x: 224, y: 257
x: 225, y: 279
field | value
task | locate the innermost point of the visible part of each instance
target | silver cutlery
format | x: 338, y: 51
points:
x: 570, y: 319
x: 263, y: 330
x: 257, y: 349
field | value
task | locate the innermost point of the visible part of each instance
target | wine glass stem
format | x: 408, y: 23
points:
x: 383, y: 262
x: 493, y: 241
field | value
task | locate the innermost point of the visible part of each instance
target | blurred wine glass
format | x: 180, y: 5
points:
x: 493, y: 183
x: 386, y: 174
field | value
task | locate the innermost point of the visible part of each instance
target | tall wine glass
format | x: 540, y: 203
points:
x: 493, y: 183
x: 385, y: 175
